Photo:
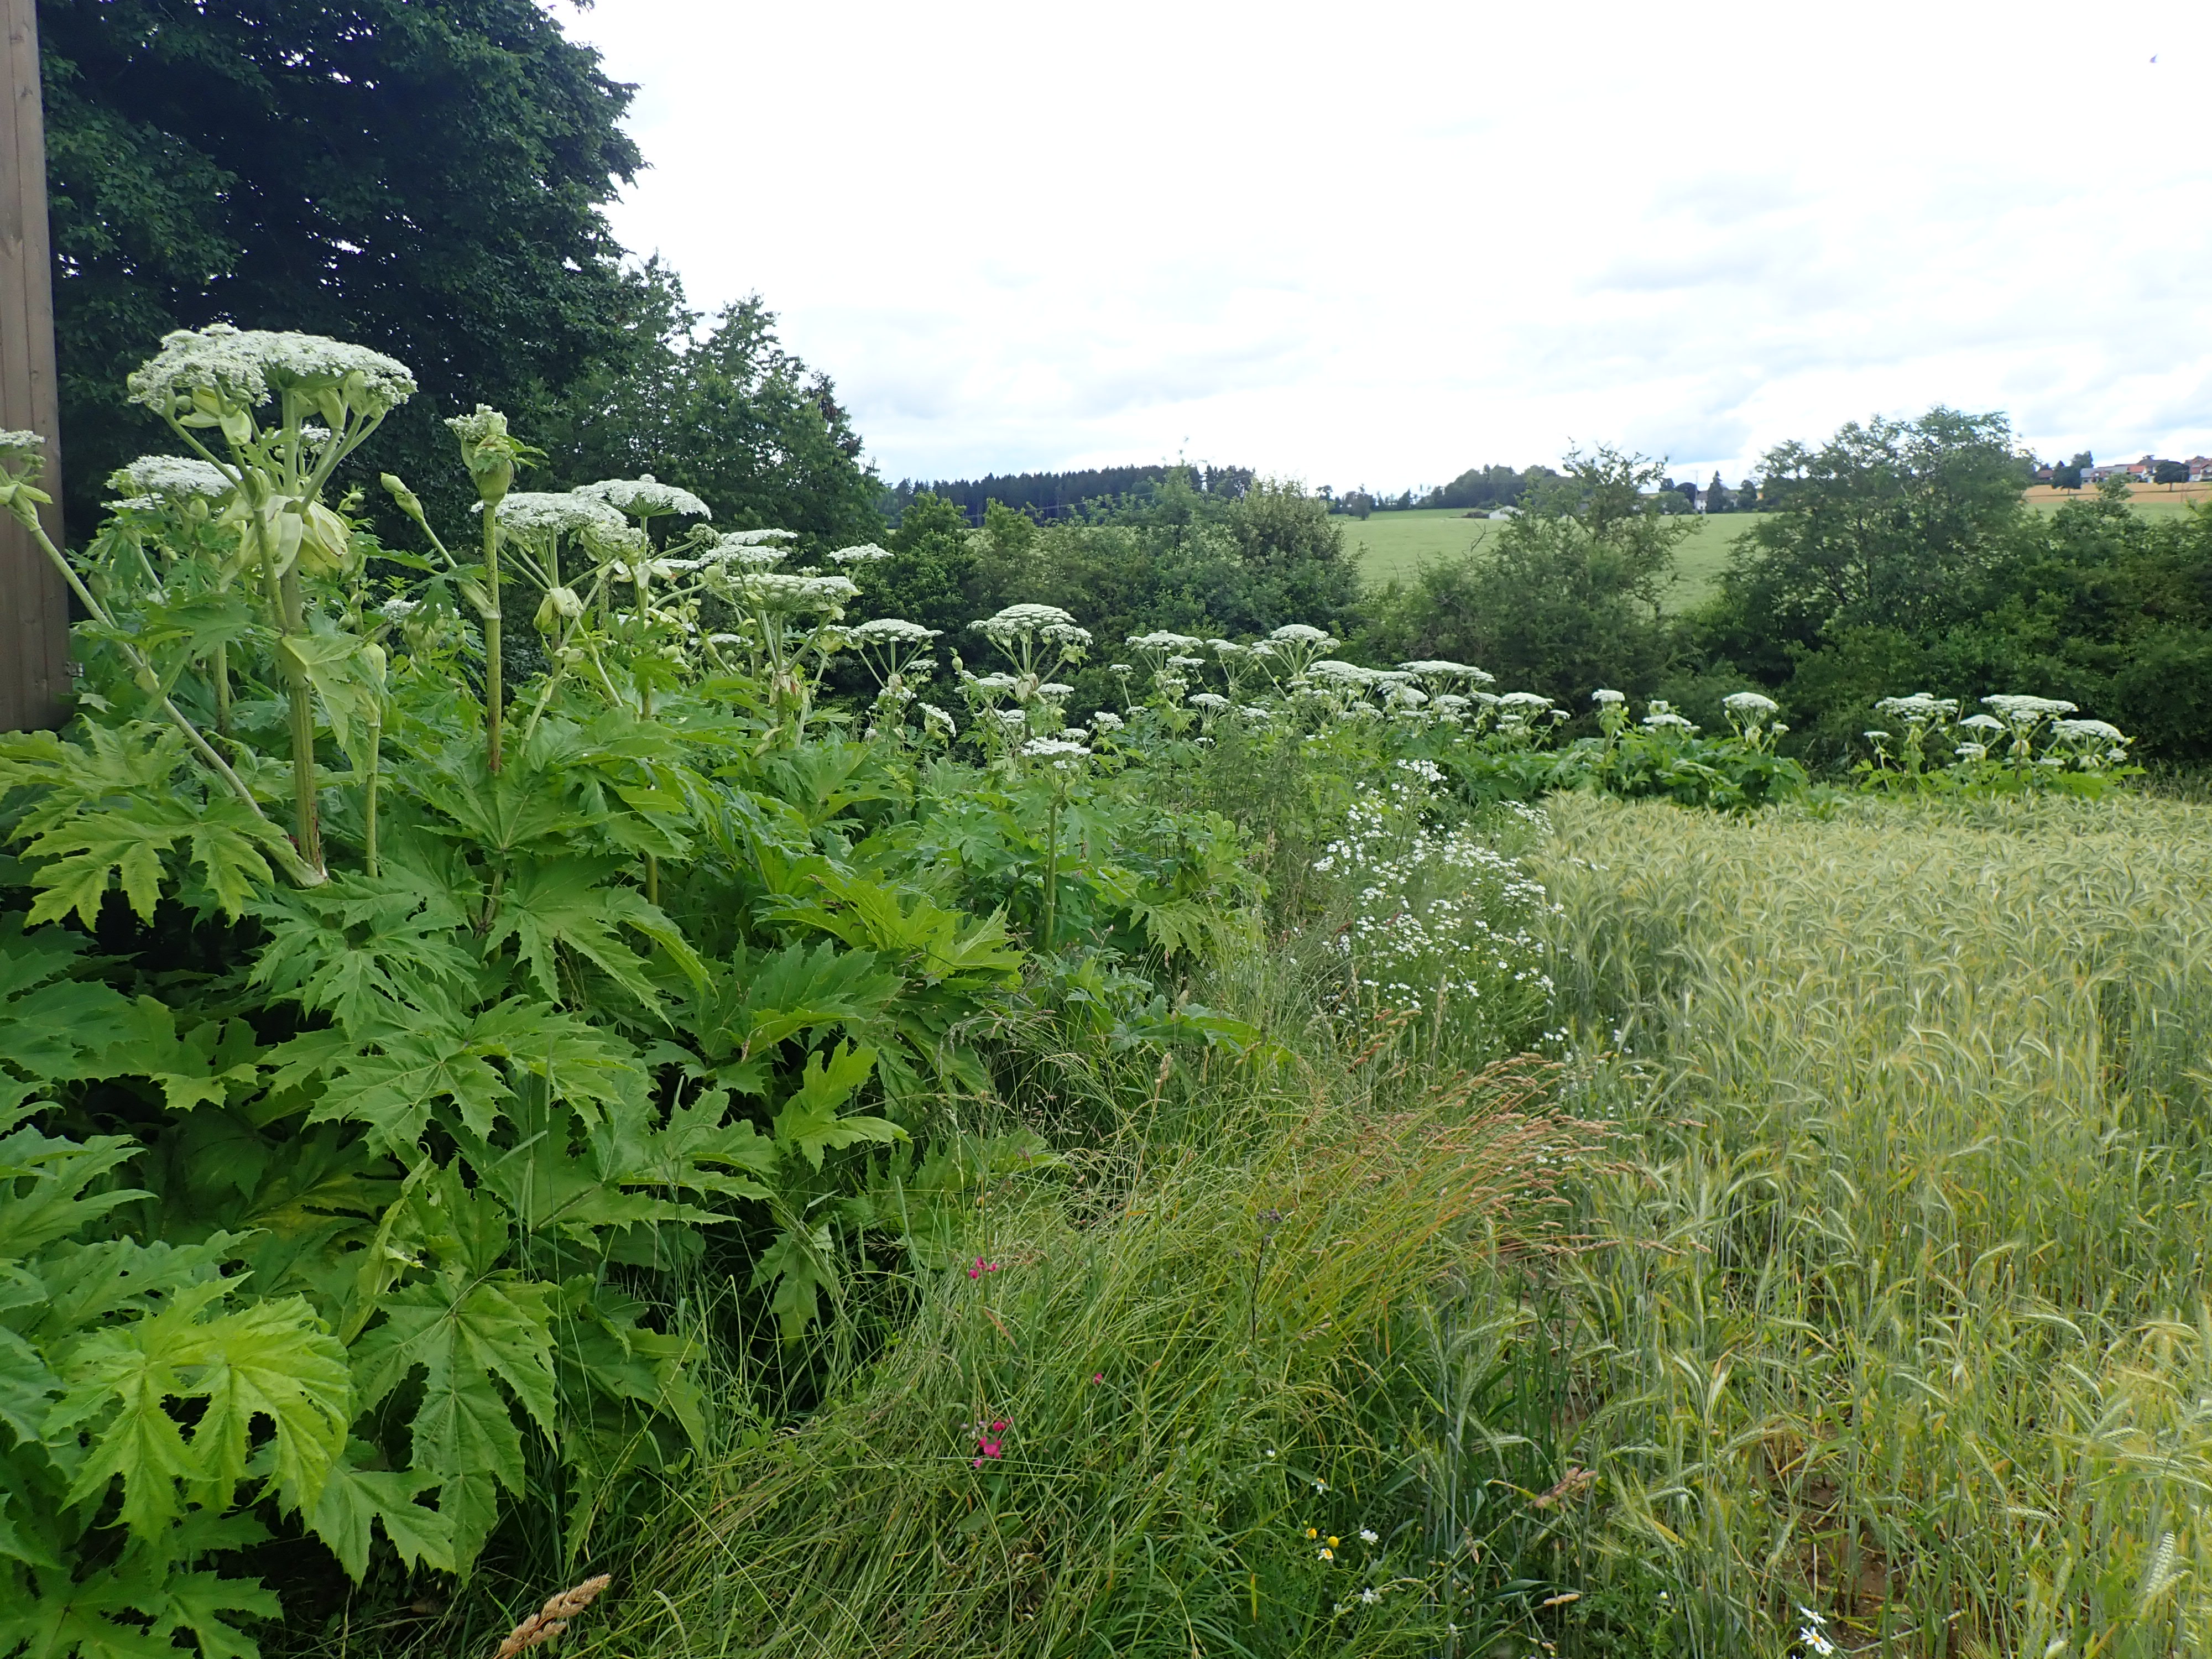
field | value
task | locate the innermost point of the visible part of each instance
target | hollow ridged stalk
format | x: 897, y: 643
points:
x: 219, y: 671
x: 368, y: 784
x: 493, y: 690
x: 299, y: 693
x: 1051, y: 872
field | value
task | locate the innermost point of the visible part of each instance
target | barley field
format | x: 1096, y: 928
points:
x: 1890, y: 1325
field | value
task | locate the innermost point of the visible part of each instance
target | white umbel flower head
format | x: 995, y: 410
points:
x: 865, y: 553
x: 1607, y: 697
x: 1207, y: 702
x: 1163, y: 641
x: 554, y: 512
x: 893, y: 631
x: 1436, y: 668
x: 2027, y: 711
x: 20, y: 445
x: 1750, y: 705
x: 1107, y: 720
x: 172, y: 477
x: 1919, y: 708
x: 1064, y: 755
x: 244, y: 366
x: 787, y: 594
x: 1302, y: 634
x: 2100, y: 731
x: 1046, y: 621
x: 645, y: 497
x: 1337, y: 672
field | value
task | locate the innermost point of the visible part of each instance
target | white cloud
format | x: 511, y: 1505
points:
x: 1378, y: 244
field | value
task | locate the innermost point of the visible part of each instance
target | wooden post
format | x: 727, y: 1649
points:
x: 34, y: 600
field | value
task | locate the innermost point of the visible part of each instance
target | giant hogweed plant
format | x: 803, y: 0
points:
x: 356, y: 1171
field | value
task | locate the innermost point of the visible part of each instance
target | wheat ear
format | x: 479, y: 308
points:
x: 549, y: 1620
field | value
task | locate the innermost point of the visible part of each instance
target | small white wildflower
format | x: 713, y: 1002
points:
x: 1370, y: 1595
x: 1369, y: 1535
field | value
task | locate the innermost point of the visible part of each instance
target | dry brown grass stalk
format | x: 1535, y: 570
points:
x: 549, y: 1620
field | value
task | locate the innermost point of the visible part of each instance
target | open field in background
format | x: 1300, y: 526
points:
x: 2147, y: 498
x: 1393, y: 544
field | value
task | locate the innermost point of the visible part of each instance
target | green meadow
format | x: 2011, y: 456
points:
x: 1393, y: 544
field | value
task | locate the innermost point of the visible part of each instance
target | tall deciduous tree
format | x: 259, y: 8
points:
x: 1887, y: 525
x: 717, y: 405
x: 424, y: 178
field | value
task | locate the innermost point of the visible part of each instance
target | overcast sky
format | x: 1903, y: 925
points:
x: 1376, y: 244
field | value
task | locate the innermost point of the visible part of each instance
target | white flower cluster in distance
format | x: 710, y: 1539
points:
x: 172, y: 477
x: 645, y: 497
x: 865, y: 553
x: 247, y: 365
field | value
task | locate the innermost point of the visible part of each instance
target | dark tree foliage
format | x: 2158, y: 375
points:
x: 1889, y: 525
x: 725, y: 411
x: 423, y: 178
x: 1095, y: 492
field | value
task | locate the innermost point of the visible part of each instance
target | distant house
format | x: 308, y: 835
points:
x: 2200, y: 468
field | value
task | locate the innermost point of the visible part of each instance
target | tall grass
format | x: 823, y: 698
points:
x: 1133, y: 1419
x: 1901, y: 1314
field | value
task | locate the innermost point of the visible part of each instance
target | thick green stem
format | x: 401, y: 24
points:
x: 652, y: 879
x: 368, y: 784
x: 1051, y: 872
x: 148, y: 681
x: 491, y: 624
x: 220, y: 669
x: 306, y: 824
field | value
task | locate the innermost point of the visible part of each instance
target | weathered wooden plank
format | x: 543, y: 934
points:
x: 33, y: 601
